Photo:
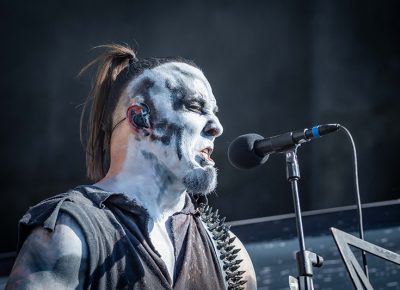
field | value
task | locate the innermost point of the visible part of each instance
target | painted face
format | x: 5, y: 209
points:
x: 184, y: 123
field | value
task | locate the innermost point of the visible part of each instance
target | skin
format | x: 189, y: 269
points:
x: 154, y: 166
x: 55, y: 259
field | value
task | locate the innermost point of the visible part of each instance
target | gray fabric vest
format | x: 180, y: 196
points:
x: 121, y: 255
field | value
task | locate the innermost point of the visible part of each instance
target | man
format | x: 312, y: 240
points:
x: 145, y: 223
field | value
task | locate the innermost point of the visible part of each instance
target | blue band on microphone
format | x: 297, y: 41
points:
x: 315, y: 132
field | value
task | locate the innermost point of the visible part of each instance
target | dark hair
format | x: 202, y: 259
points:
x: 117, y: 65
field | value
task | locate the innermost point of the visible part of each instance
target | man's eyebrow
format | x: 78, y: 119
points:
x: 200, y: 101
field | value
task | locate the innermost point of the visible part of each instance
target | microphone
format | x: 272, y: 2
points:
x: 251, y: 150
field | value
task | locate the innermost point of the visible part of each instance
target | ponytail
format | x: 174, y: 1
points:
x: 116, y: 67
x: 102, y: 104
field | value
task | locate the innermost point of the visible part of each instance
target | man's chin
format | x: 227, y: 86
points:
x: 201, y: 180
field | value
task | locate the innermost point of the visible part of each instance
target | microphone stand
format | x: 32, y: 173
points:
x: 306, y: 260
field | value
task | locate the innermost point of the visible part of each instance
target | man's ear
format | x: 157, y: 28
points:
x: 138, y: 116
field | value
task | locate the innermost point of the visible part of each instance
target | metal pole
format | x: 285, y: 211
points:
x: 305, y: 259
x: 297, y: 210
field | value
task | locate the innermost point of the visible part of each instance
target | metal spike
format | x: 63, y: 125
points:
x: 224, y: 236
x: 233, y: 268
x: 227, y: 278
x: 231, y: 240
x: 235, y: 251
x: 230, y: 274
x: 236, y: 278
x: 216, y: 213
x: 215, y: 219
x: 220, y: 236
x: 231, y: 263
x: 242, y: 282
x: 222, y: 221
x: 225, y: 253
x: 228, y: 264
x: 212, y: 226
x: 210, y: 222
x: 231, y: 284
x: 229, y: 250
x: 231, y: 257
x: 217, y: 236
x: 238, y: 261
x: 216, y: 232
x: 219, y: 228
x: 208, y: 216
x: 221, y: 244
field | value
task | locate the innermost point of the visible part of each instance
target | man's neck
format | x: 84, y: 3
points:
x: 150, y: 183
x: 160, y: 205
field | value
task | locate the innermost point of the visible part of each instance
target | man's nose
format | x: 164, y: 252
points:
x: 213, y: 128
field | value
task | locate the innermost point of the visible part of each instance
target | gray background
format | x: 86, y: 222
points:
x: 274, y: 66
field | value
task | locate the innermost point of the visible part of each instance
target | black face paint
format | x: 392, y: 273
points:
x: 181, y: 96
x: 179, y: 137
x: 169, y: 131
x: 167, y: 177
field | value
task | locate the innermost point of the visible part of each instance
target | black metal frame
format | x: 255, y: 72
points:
x: 343, y: 241
x: 306, y: 260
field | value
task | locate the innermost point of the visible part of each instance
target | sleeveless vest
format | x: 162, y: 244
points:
x: 120, y: 252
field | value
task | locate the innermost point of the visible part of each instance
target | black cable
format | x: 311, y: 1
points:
x: 359, y: 209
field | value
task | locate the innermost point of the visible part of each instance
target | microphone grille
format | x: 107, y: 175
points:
x: 241, y: 152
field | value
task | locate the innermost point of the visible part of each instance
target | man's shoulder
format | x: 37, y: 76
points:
x: 42, y: 210
x: 47, y: 255
x: 75, y: 203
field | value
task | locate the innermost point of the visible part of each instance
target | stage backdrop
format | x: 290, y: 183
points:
x: 274, y: 66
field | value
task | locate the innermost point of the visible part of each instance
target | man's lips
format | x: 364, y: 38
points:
x: 206, y: 153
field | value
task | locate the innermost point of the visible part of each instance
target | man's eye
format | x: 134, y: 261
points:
x: 194, y: 108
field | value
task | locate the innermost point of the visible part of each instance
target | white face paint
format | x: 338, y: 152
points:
x: 184, y: 125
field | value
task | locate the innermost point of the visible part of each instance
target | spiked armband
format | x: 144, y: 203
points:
x: 226, y: 251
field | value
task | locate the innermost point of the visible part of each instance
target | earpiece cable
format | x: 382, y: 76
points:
x: 116, y: 125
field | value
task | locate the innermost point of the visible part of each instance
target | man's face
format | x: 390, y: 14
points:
x: 184, y: 124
